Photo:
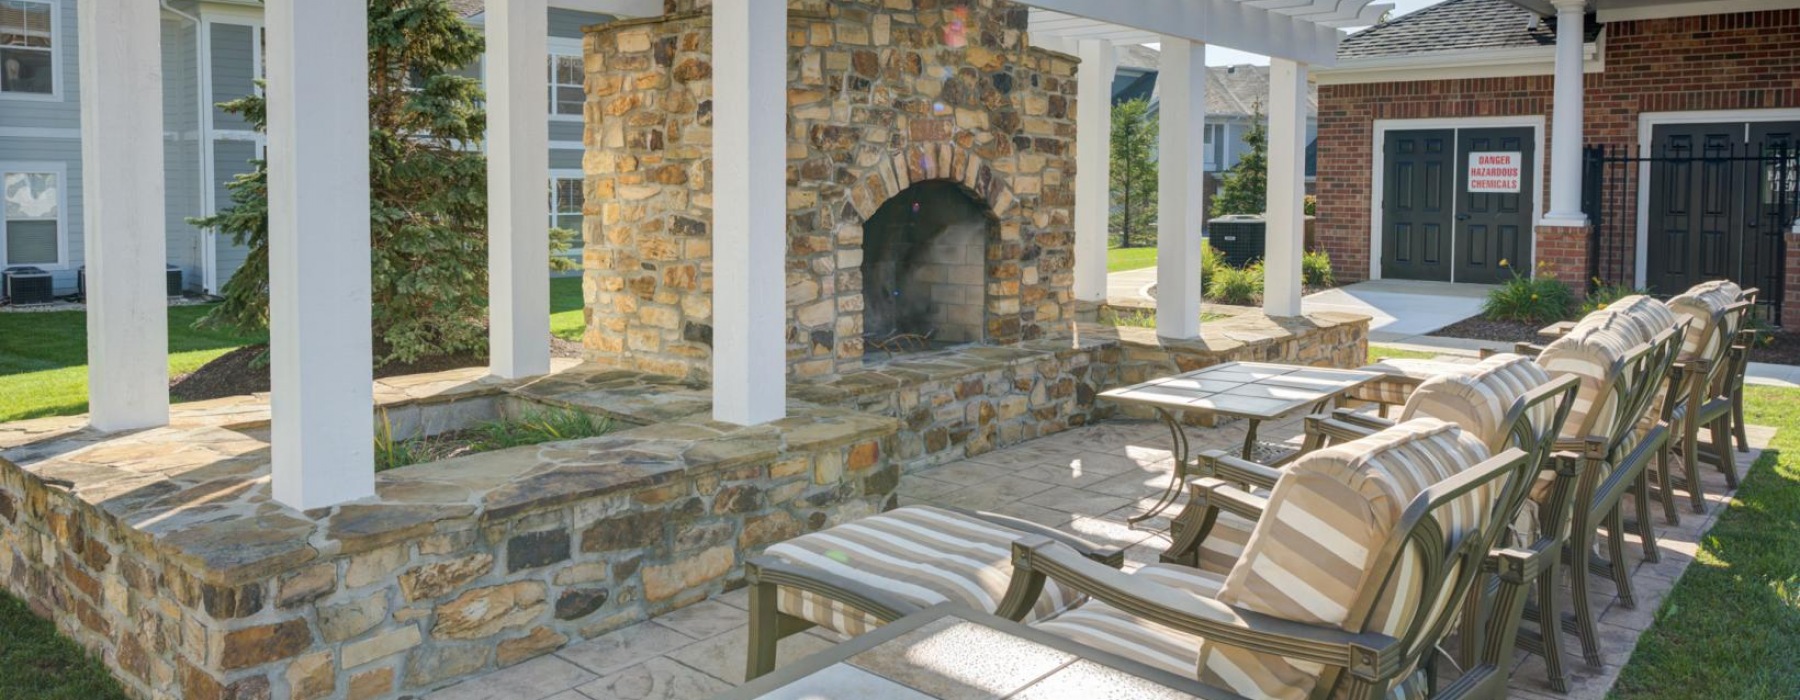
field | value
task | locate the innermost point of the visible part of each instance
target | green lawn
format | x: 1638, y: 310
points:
x: 1731, y: 626
x: 1120, y: 259
x: 38, y: 663
x: 43, y: 356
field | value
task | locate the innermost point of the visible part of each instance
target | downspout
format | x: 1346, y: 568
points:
x: 207, y: 251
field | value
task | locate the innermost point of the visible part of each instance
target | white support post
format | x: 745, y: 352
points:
x: 1093, y: 165
x: 518, y: 150
x: 1565, y: 131
x: 1286, y: 236
x: 122, y: 176
x: 1181, y: 199
x: 749, y: 355
x: 319, y: 315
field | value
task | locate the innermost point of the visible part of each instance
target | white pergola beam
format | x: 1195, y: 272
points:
x: 1286, y: 235
x: 1309, y: 35
x: 749, y: 136
x: 1093, y: 165
x: 319, y: 315
x: 1181, y: 200
x: 122, y: 175
x: 518, y: 173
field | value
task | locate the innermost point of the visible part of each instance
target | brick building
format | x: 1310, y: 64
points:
x: 1438, y: 153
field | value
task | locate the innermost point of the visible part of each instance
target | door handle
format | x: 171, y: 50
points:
x: 1462, y: 217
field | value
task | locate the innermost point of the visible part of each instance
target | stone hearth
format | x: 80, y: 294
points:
x: 883, y: 97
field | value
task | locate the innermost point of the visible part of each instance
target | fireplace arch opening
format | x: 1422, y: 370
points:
x: 924, y: 269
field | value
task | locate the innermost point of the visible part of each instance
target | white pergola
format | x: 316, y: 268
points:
x: 322, y: 393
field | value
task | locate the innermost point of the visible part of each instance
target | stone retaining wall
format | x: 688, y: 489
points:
x: 173, y: 566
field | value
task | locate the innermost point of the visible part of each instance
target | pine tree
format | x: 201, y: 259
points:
x: 428, y: 191
x: 1244, y: 188
x: 1133, y: 171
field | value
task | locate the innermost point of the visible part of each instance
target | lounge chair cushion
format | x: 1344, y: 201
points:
x: 921, y: 554
x: 1407, y: 373
x: 1591, y: 353
x: 1107, y: 628
x: 1643, y: 316
x: 1701, y: 309
x: 1315, y: 549
x: 1477, y: 397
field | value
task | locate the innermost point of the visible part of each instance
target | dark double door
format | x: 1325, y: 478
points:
x: 1435, y: 226
x: 1720, y: 199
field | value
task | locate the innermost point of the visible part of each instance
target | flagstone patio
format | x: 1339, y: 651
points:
x: 1085, y: 481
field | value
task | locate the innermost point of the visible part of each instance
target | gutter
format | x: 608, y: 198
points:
x: 1531, y: 60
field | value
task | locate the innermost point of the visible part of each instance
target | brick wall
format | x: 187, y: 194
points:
x: 1747, y: 60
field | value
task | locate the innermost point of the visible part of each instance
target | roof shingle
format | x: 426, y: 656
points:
x: 1456, y: 26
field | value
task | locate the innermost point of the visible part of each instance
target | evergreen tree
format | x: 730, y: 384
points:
x: 1133, y: 171
x: 428, y: 191
x: 1244, y: 188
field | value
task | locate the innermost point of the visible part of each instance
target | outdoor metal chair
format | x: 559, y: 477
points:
x: 860, y: 575
x: 1360, y: 556
x: 1701, y: 390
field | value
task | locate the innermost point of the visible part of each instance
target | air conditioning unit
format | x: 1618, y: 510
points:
x: 174, y: 281
x: 1238, y: 238
x: 27, y: 285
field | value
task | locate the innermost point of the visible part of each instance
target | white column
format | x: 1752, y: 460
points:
x: 1093, y: 165
x: 1287, y: 188
x: 1181, y: 181
x: 749, y: 133
x: 1565, y: 131
x: 518, y: 151
x: 122, y: 178
x: 319, y: 332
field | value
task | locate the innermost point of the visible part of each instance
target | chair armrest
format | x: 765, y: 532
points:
x: 1371, y: 657
x: 1528, y: 349
x: 883, y: 605
x: 1207, y: 497
x: 1217, y: 493
x: 1110, y: 556
x: 1237, y: 470
x: 1345, y: 426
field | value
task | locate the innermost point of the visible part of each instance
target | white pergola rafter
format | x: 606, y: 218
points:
x: 1305, y: 31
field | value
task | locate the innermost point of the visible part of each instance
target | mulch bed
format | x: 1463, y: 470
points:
x: 1479, y: 328
x: 1779, y: 347
x: 235, y: 373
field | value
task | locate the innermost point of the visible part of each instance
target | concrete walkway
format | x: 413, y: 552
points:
x: 1400, y: 310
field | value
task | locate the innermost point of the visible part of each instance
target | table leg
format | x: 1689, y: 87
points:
x: 1179, y: 479
x: 1249, y: 451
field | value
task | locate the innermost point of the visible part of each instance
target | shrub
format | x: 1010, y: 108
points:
x: 1605, y: 294
x: 1237, y: 287
x: 1209, y: 261
x: 1310, y: 205
x: 1537, y: 299
x: 530, y: 428
x: 1315, y: 270
x: 1131, y: 318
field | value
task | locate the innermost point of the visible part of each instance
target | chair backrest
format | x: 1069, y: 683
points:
x: 1363, y: 536
x: 1714, y: 318
x: 1621, y: 381
x: 1643, y: 316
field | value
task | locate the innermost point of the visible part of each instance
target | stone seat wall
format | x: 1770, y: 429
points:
x: 162, y: 552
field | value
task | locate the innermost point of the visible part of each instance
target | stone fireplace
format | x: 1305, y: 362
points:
x: 929, y: 194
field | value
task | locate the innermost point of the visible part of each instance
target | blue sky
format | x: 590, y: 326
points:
x: 1220, y: 56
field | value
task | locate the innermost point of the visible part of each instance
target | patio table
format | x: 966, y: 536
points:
x: 950, y: 652
x: 1254, y: 391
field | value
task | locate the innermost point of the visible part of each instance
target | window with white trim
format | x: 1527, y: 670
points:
x: 565, y: 206
x: 33, y: 224
x: 567, y: 92
x: 27, y: 47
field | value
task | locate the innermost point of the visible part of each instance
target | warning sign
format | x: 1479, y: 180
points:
x: 1495, y: 171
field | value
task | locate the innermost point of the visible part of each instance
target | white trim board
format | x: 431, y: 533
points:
x: 1647, y: 122
x: 1378, y: 166
x: 1455, y: 65
x: 1691, y: 8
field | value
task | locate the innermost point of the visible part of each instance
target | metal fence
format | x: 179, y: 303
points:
x: 1722, y: 211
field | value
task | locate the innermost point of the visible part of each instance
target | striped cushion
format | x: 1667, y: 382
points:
x: 1590, y: 353
x: 1396, y: 393
x: 1315, y: 548
x: 1643, y: 316
x: 1477, y: 397
x: 1726, y: 287
x: 920, y: 554
x: 1105, y: 627
x: 1224, y: 543
x: 1702, y: 339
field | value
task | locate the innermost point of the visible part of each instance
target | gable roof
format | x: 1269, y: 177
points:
x: 468, y: 8
x: 1457, y: 26
x: 1231, y: 91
